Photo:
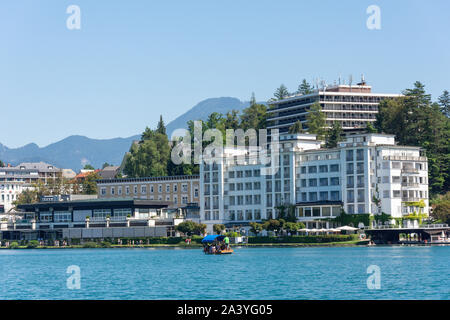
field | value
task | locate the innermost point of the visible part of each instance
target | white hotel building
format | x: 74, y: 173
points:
x: 319, y: 182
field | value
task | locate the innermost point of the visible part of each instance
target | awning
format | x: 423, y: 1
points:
x: 212, y: 238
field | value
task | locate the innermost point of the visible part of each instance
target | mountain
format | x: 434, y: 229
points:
x: 203, y: 109
x: 76, y: 151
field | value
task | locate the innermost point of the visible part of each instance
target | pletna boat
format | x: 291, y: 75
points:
x: 216, y: 244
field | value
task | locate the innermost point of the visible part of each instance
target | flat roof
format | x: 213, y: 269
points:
x: 97, y: 203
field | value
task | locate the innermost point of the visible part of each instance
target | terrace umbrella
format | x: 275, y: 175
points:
x: 347, y: 228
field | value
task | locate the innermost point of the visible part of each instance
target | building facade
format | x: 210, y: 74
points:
x: 91, y: 219
x: 13, y: 180
x: 366, y: 173
x: 178, y: 190
x: 353, y: 106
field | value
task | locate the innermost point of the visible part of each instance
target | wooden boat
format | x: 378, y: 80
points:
x: 211, y: 241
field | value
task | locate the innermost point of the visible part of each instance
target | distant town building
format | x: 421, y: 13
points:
x: 91, y: 219
x: 179, y: 191
x: 366, y: 173
x: 353, y: 106
x: 109, y: 172
x: 13, y: 180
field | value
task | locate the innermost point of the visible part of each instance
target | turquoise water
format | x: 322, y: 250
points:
x: 250, y: 273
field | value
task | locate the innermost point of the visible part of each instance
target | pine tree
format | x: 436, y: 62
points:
x: 305, y: 88
x: 316, y: 121
x: 281, y: 92
x: 296, y: 128
x: 161, y: 128
x: 444, y: 103
x: 334, y: 135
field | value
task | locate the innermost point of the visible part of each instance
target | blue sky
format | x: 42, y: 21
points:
x: 134, y: 60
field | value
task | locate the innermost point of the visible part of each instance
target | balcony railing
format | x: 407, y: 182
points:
x: 409, y: 184
x: 410, y: 170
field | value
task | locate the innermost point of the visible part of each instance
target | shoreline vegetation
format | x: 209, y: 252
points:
x: 195, y: 243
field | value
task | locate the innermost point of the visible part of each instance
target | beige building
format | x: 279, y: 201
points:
x: 179, y: 190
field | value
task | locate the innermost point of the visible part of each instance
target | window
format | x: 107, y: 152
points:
x: 349, y: 155
x: 119, y: 190
x: 323, y: 196
x: 113, y: 190
x: 175, y: 188
x: 303, y: 169
x: 313, y: 182
x: 334, y: 181
x: 350, y: 182
x: 312, y: 169
x: 313, y: 196
x: 361, y: 195
x: 102, y: 191
x: 143, y: 189
x: 334, y: 195
x: 167, y: 188
x: 334, y: 168
x: 323, y: 182
x: 350, y: 168
x: 359, y: 154
x: 323, y: 168
x: 395, y: 165
x: 304, y: 197
x: 386, y: 194
x: 350, y: 196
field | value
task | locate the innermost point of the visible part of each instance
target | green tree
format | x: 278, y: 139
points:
x: 106, y: 164
x: 272, y: 225
x: 254, y: 117
x: 333, y: 135
x: 281, y: 92
x: 161, y: 128
x: 186, y: 227
x: 2, y: 164
x: 90, y: 183
x: 256, y: 228
x: 305, y: 87
x: 88, y: 167
x: 370, y: 128
x: 441, y: 209
x: 296, y: 128
x: 316, y: 121
x: 416, y: 121
x: 200, y: 228
x: 444, y: 103
x: 218, y: 228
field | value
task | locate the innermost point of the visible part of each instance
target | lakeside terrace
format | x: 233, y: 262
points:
x: 95, y: 218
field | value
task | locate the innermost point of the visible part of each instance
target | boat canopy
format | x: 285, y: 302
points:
x: 212, y: 238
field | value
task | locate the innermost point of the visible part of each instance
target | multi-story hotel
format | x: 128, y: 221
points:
x: 178, y: 190
x: 367, y: 173
x: 13, y: 180
x: 352, y: 105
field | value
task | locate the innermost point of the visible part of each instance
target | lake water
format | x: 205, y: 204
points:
x: 250, y: 273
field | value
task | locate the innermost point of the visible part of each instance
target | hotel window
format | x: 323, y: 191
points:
x: 323, y: 195
x: 122, y: 213
x: 361, y: 195
x: 360, y: 167
x: 240, y: 216
x: 312, y: 169
x: 395, y: 165
x: 63, y: 216
x: 323, y: 168
x: 360, y: 181
x: 303, y: 170
x: 232, y: 201
x: 361, y: 208
x: 308, y: 212
x: 101, y: 213
x: 103, y: 191
x: 135, y: 189
x: 143, y: 189
x: 248, y: 215
x: 175, y: 199
x: 167, y: 197
x: 119, y: 190
x: 350, y: 168
x: 184, y: 188
x: 127, y: 190
x: 152, y: 189
x: 304, y: 199
x: 232, y: 216
x: 313, y: 196
x: 184, y: 199
x: 349, y: 155
x: 232, y: 186
x: 248, y: 173
x: 350, y: 196
x: 175, y: 187
x: 350, y: 182
x: 386, y: 194
x: 396, y: 194
x: 359, y: 154
x: 231, y: 174
x: 303, y: 183
x: 159, y: 188
x: 256, y: 173
x: 323, y: 182
x: 195, y: 192
x: 334, y: 167
x: 351, y: 209
x: 257, y: 214
x: 316, y: 212
x: 334, y: 181
x: 326, y: 211
x: 313, y: 182
x: 167, y: 188
x: 257, y: 185
x: 113, y: 190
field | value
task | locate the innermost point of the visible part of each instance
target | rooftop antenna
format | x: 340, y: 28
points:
x: 350, y: 80
x: 339, y: 79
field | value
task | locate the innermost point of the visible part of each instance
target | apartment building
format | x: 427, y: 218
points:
x: 178, y: 190
x: 366, y: 173
x: 354, y: 106
x: 13, y: 180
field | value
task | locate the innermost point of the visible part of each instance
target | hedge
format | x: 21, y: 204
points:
x: 304, y: 239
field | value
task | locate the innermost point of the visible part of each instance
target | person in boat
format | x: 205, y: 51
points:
x: 226, y: 240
